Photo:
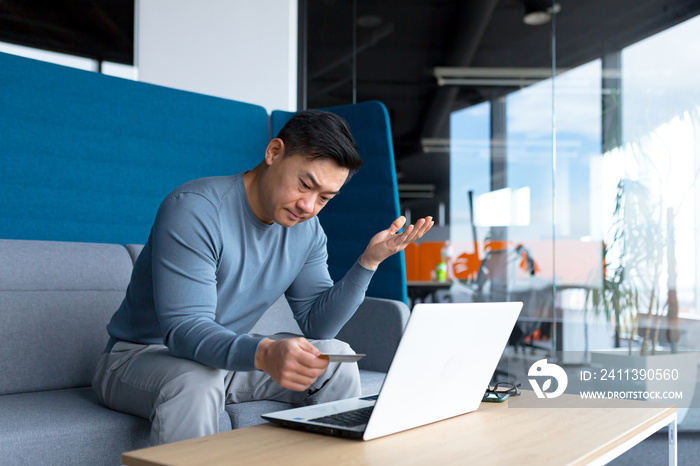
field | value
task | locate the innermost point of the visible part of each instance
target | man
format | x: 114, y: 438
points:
x: 221, y: 251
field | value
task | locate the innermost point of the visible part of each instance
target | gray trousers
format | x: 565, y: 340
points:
x: 183, y: 399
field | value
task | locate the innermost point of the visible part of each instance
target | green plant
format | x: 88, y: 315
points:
x: 639, y: 248
x: 632, y: 259
x: 641, y: 256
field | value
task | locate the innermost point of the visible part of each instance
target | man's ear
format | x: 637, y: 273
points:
x: 274, y: 151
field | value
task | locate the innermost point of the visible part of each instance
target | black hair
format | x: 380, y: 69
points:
x: 317, y: 133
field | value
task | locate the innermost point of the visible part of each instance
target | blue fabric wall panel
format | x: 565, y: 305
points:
x: 368, y: 203
x: 86, y: 157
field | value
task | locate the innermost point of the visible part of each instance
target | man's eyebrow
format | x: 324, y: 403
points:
x: 316, y: 184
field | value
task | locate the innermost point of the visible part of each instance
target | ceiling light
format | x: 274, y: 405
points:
x: 539, y: 12
x: 536, y: 18
x: 509, y: 77
x: 369, y: 21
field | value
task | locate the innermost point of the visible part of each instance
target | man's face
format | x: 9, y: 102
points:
x: 296, y: 187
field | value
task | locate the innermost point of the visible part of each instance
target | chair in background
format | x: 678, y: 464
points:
x: 421, y: 260
x: 509, y: 274
x: 466, y: 266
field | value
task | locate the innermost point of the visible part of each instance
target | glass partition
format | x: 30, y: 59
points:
x: 659, y: 160
x: 577, y: 195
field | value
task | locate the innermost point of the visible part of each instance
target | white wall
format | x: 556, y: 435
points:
x: 237, y: 49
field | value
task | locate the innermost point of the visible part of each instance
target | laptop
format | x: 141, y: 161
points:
x: 442, y: 367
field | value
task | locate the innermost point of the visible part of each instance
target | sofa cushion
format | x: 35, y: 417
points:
x: 278, y: 318
x: 376, y: 329
x: 66, y: 427
x: 69, y: 427
x: 134, y: 251
x: 371, y: 382
x: 55, y: 300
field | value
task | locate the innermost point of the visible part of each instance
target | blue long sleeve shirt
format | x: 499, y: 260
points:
x: 210, y: 269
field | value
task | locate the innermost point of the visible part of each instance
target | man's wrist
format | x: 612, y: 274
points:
x: 261, y: 353
x: 366, y: 263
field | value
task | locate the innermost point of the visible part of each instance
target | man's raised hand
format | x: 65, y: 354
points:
x: 389, y: 241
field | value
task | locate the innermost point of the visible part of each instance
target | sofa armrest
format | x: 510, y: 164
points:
x: 376, y: 330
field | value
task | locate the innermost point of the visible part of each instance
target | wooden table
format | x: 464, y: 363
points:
x: 494, y: 435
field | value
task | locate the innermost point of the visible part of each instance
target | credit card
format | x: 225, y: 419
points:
x: 342, y: 357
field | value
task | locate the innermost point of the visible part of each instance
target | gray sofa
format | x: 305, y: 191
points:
x: 55, y: 301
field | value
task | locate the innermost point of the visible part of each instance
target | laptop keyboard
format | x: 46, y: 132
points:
x: 352, y: 418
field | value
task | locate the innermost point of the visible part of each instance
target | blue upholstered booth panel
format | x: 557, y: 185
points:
x: 368, y: 203
x: 87, y: 157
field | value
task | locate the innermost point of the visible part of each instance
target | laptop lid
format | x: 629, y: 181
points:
x: 441, y: 369
x: 443, y: 364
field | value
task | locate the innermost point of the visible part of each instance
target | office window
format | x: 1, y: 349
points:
x: 470, y: 155
x: 554, y: 175
x: 51, y: 57
x: 660, y: 155
x: 108, y: 68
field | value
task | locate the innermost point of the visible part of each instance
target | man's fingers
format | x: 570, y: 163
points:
x: 298, y: 376
x: 422, y: 226
x: 409, y: 229
x: 308, y: 347
x: 397, y: 224
x: 315, y: 363
x: 310, y: 357
x: 409, y: 235
x: 303, y: 372
x: 427, y: 226
x: 297, y: 382
x: 390, y: 241
x: 293, y: 363
x: 414, y: 233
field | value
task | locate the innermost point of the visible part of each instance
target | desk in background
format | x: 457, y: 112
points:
x: 419, y: 290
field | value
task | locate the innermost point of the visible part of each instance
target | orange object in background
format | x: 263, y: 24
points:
x: 495, y: 245
x: 412, y: 265
x: 578, y: 262
x: 421, y: 260
x: 466, y: 266
x: 526, y: 264
x: 428, y: 258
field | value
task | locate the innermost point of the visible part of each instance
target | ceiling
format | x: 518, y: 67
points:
x: 397, y: 43
x: 99, y: 29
